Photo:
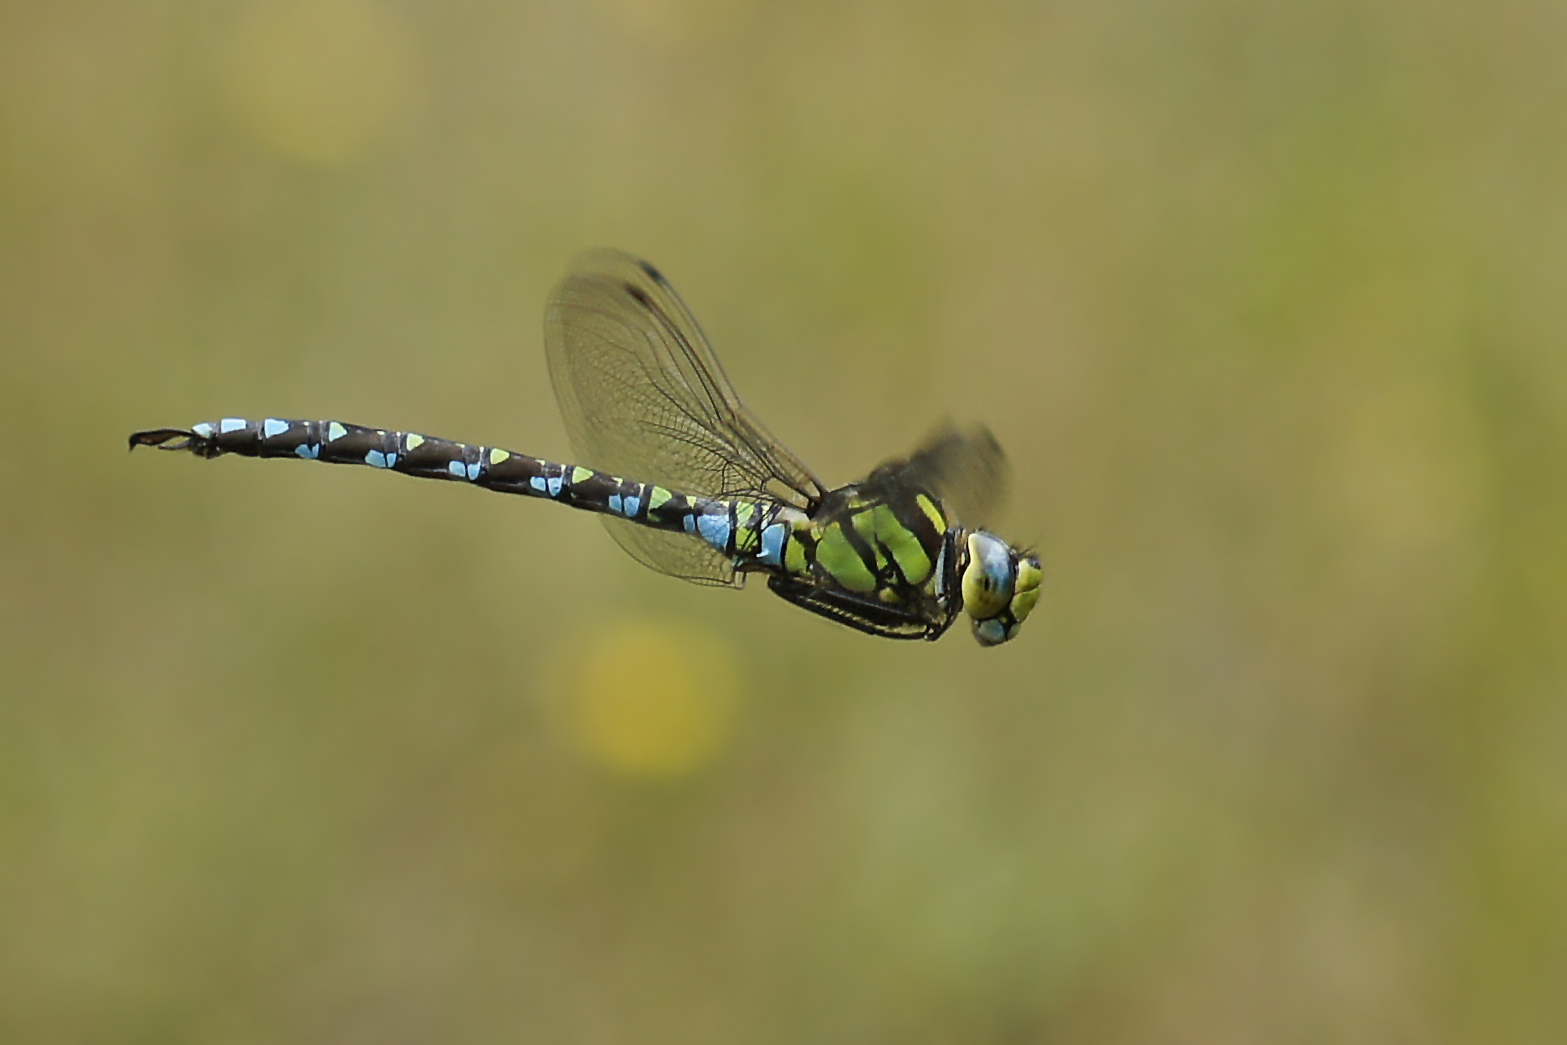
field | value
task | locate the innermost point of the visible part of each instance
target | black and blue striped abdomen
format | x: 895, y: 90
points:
x: 746, y: 530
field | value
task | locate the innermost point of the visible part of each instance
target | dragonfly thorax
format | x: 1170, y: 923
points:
x: 877, y: 555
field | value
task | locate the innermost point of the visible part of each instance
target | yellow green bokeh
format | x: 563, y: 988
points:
x: 321, y: 81
x: 1263, y: 300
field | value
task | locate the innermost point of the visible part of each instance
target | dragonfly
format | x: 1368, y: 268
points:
x: 691, y: 484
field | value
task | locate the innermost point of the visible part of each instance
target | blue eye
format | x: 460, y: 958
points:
x: 987, y: 583
x: 990, y: 632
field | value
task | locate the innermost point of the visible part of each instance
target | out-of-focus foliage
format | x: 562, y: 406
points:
x: 1264, y: 299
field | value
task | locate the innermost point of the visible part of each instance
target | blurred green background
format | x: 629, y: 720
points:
x: 1265, y: 300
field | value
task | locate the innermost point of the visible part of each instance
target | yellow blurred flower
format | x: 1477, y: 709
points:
x: 651, y: 699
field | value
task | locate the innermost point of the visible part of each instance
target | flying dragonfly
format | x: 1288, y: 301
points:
x: 691, y: 484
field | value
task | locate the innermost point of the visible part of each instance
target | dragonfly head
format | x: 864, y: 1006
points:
x: 1000, y: 587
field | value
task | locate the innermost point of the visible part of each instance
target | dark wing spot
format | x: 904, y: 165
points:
x: 652, y: 273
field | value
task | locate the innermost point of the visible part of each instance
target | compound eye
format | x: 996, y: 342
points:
x: 1029, y: 576
x: 988, y: 580
x: 991, y: 632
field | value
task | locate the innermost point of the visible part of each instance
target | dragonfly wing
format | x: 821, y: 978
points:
x: 966, y: 468
x: 676, y: 554
x: 644, y: 397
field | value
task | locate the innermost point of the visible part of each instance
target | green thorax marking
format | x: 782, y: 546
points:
x: 844, y: 562
x: 878, y: 537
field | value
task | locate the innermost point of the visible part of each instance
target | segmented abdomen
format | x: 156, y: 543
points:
x: 742, y: 529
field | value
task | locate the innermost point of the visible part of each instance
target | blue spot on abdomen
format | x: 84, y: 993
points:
x: 773, y: 543
x: 714, y: 530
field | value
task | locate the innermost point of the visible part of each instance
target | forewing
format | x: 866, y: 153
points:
x: 644, y: 398
x: 966, y: 468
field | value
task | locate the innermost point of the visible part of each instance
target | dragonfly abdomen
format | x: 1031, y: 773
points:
x: 743, y: 529
x: 337, y: 442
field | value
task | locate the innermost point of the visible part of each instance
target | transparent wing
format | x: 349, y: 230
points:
x: 644, y: 397
x: 965, y: 468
